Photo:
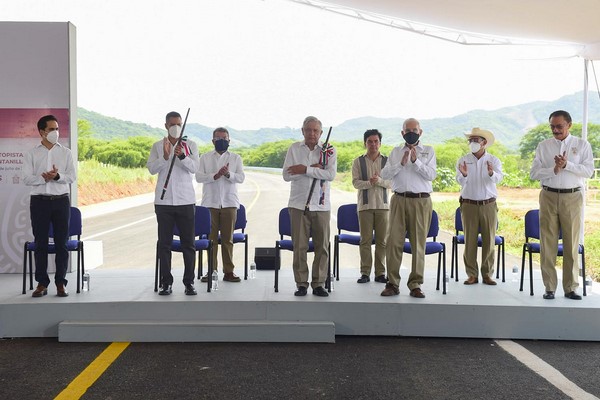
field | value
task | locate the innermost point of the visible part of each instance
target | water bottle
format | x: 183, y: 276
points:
x: 86, y: 282
x: 215, y: 280
x: 588, y: 283
x: 252, y: 270
x: 447, y: 280
x: 515, y: 273
x: 331, y: 282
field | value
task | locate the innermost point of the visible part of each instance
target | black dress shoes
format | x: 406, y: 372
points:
x: 363, y: 279
x: 189, y: 290
x: 319, y: 291
x: 573, y: 296
x: 165, y: 290
x: 381, y: 279
x: 301, y: 291
x: 548, y: 296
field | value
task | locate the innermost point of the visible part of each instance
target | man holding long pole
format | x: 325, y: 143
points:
x: 305, y: 162
x: 175, y: 202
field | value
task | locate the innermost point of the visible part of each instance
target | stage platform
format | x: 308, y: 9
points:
x: 122, y: 306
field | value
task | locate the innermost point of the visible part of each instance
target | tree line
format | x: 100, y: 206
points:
x: 133, y: 153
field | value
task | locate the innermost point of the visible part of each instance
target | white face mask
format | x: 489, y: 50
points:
x: 174, y: 131
x: 475, y: 147
x: 52, y: 136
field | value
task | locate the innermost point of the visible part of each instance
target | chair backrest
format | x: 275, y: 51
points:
x: 285, y: 224
x: 240, y: 222
x: 434, y: 226
x: 532, y: 224
x: 202, y: 221
x: 458, y: 225
x: 347, y: 218
x: 75, y: 224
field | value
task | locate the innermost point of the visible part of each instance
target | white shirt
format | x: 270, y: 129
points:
x: 478, y: 184
x: 580, y: 162
x: 413, y: 177
x: 180, y: 190
x: 222, y: 192
x: 39, y: 160
x: 297, y: 154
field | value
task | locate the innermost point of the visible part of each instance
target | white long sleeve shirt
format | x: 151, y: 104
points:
x: 299, y: 153
x: 478, y: 184
x: 413, y: 177
x: 39, y: 160
x: 220, y: 193
x: 580, y: 162
x: 180, y: 190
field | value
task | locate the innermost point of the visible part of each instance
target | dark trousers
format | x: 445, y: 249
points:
x: 46, y: 211
x: 168, y: 217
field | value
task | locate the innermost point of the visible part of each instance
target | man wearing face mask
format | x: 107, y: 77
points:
x: 478, y: 173
x: 411, y: 168
x: 178, y: 205
x: 220, y: 172
x: 49, y: 170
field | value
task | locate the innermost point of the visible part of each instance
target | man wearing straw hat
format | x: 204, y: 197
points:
x: 478, y: 173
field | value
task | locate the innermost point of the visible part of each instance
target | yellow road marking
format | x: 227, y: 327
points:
x: 256, y: 196
x: 88, y: 376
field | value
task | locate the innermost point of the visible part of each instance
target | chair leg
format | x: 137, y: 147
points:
x: 444, y: 267
x: 439, y: 270
x: 503, y: 261
x: 336, y: 255
x: 210, y: 267
x: 31, y: 270
x: 454, y: 248
x: 156, y: 271
x: 200, y: 265
x: 277, y: 266
x: 583, y: 269
x: 522, y: 268
x: 246, y: 257
x: 530, y: 274
x: 24, y: 268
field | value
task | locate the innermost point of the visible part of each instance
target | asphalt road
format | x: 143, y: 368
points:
x: 352, y: 368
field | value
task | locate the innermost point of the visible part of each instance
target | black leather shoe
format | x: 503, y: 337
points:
x: 301, y: 291
x: 319, y: 291
x: 573, y: 296
x: 548, y: 296
x: 189, y: 290
x: 165, y: 290
x: 381, y: 279
x: 363, y: 279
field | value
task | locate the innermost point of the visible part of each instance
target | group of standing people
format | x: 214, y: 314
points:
x: 387, y: 218
x: 219, y: 171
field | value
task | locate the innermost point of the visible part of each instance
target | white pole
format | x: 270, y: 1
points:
x: 584, y: 122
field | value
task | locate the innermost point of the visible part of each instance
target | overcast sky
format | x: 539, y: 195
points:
x: 269, y: 63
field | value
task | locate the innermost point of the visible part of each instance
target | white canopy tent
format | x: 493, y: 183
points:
x: 561, y: 23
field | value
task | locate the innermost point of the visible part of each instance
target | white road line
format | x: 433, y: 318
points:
x: 118, y: 228
x: 545, y: 370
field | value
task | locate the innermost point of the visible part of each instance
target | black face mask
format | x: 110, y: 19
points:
x: 411, y: 137
x: 221, y: 145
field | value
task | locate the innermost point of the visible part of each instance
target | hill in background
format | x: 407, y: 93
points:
x: 508, y: 125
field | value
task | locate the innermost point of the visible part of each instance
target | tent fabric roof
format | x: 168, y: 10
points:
x: 561, y: 21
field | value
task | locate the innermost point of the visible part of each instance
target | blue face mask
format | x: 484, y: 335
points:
x: 221, y: 145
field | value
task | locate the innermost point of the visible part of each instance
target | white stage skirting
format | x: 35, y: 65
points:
x: 122, y: 306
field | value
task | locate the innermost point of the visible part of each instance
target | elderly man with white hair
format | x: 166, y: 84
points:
x: 478, y: 173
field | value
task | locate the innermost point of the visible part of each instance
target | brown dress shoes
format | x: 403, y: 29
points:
x: 471, y: 281
x: 40, y: 291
